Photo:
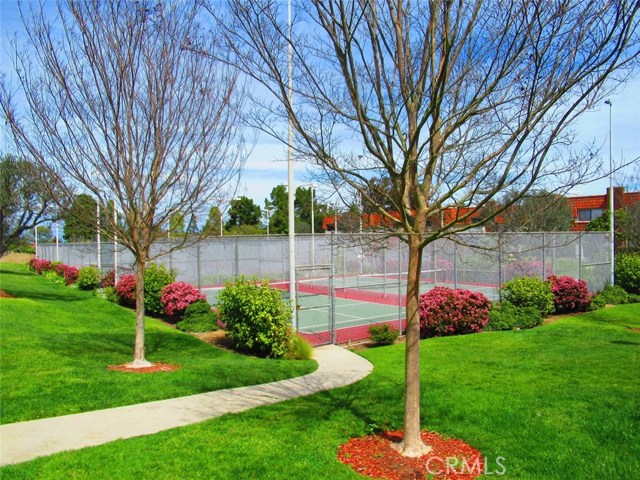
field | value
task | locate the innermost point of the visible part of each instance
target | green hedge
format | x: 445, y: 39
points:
x: 257, y: 318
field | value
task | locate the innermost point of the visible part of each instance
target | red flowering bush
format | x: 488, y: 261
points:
x: 126, y: 289
x: 39, y: 265
x: 177, y: 296
x: 109, y: 280
x: 570, y: 295
x: 69, y: 273
x: 445, y: 311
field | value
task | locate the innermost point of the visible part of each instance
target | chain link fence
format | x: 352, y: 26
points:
x: 368, y: 271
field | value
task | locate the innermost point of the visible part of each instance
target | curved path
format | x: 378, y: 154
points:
x: 24, y: 441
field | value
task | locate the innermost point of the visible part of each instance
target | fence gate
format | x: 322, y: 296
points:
x: 315, y: 304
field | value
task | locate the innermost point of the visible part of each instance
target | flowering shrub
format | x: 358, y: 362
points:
x: 445, y: 311
x: 529, y: 292
x: 126, y: 289
x: 39, y: 265
x: 177, y: 296
x: 156, y: 277
x: 570, y: 295
x: 108, y: 280
x: 70, y: 274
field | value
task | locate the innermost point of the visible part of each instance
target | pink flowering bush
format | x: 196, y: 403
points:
x: 177, y: 296
x: 39, y: 265
x: 126, y: 289
x: 570, y: 295
x: 69, y: 273
x: 445, y: 311
x: 109, y: 280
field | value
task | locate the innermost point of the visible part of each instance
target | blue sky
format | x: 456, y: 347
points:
x: 267, y: 166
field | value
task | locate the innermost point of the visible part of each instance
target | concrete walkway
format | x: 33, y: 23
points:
x: 24, y: 441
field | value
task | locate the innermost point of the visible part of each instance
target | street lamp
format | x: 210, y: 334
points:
x: 611, y: 206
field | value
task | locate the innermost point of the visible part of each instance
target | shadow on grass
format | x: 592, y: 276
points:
x: 83, y: 344
x: 5, y: 271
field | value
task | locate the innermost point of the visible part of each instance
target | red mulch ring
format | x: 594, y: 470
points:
x: 374, y: 456
x: 4, y: 294
x: 156, y: 367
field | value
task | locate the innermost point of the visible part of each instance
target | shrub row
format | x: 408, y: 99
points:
x: 445, y: 311
x: 54, y: 271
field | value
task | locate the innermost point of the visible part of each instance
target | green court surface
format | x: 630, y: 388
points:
x: 360, y: 300
x: 314, y: 313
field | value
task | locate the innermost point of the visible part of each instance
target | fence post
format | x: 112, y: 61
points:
x: 198, y: 260
x: 544, y: 258
x: 236, y: 265
x: 455, y: 264
x: 332, y: 305
x: 579, y: 256
x: 435, y: 264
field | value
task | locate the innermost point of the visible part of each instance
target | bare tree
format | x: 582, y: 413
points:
x: 117, y: 106
x: 24, y: 201
x: 453, y: 102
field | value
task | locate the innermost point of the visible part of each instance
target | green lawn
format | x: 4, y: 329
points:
x: 57, y: 342
x: 557, y: 402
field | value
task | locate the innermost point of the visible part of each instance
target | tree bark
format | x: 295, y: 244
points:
x: 412, y: 445
x: 139, y: 360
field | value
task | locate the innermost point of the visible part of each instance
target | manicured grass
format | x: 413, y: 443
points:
x: 557, y: 402
x: 58, y: 341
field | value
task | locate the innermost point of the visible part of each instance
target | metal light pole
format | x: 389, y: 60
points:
x: 98, y: 242
x: 291, y: 179
x: 612, y: 239
x: 268, y: 210
x: 35, y: 237
x: 115, y: 243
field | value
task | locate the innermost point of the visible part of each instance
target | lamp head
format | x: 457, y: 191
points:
x: 607, y: 102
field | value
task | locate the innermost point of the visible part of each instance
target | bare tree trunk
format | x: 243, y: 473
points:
x: 139, y: 360
x: 412, y: 445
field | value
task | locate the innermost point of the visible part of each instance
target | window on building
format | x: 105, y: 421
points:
x: 588, y: 214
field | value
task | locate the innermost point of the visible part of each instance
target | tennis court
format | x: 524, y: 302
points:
x: 323, y: 319
x: 341, y: 309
